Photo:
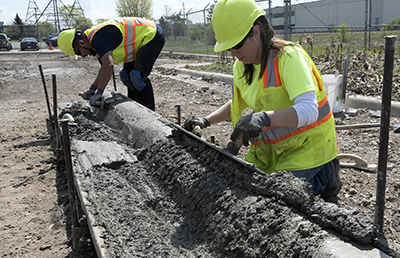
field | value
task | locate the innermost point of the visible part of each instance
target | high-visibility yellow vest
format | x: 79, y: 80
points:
x: 289, y: 149
x: 136, y: 32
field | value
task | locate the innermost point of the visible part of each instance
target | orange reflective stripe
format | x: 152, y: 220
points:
x: 300, y: 130
x: 95, y: 29
x: 125, y: 41
x: 277, y: 76
x: 317, y: 76
x: 280, y: 134
x: 130, y: 36
x: 265, y: 77
x: 322, y: 102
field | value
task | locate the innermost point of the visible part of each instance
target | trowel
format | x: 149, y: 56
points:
x: 234, y: 146
x: 358, y: 162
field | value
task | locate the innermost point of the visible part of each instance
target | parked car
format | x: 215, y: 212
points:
x: 51, y: 38
x: 29, y: 43
x: 5, y: 42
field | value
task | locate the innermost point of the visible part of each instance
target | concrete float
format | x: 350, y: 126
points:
x: 150, y: 189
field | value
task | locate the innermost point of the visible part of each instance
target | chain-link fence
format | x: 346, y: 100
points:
x: 316, y: 25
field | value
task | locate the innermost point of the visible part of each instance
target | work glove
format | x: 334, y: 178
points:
x: 89, y: 92
x: 137, y: 80
x: 251, y: 126
x: 125, y: 78
x: 193, y: 120
x: 95, y: 100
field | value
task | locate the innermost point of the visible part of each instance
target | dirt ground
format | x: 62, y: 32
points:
x: 33, y: 190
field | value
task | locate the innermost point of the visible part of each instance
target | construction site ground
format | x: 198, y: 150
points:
x: 34, y: 192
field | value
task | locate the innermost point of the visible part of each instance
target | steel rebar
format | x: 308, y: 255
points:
x: 384, y: 131
x: 45, y: 92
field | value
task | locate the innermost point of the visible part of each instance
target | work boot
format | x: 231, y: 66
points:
x: 330, y: 194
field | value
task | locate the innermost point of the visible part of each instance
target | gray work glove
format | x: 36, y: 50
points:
x: 193, y: 120
x: 251, y: 126
x: 87, y: 94
x: 95, y: 100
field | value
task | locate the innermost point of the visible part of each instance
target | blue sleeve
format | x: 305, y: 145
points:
x: 106, y: 39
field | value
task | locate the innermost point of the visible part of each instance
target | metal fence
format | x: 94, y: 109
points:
x: 316, y: 25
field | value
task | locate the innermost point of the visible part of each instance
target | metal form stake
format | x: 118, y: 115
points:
x: 113, y: 75
x: 178, y: 110
x: 68, y: 167
x: 384, y: 130
x: 56, y: 126
x: 45, y: 92
x: 212, y: 138
x: 77, y: 231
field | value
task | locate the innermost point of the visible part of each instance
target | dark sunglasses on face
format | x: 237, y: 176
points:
x: 241, y: 43
x: 78, y: 34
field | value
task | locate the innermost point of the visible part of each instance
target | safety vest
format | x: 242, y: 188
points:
x: 136, y: 32
x: 289, y: 149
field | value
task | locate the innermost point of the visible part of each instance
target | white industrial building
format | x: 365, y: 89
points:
x: 320, y: 15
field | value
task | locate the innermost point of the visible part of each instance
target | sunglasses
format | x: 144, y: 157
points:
x: 78, y: 34
x: 241, y: 43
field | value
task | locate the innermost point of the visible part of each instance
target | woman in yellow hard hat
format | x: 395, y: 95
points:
x: 292, y: 127
x: 134, y: 41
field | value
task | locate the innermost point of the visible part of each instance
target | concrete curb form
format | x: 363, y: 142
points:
x: 358, y: 101
x: 351, y: 101
x: 214, y: 77
x: 138, y: 123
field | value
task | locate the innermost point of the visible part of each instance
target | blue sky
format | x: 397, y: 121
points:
x: 95, y: 9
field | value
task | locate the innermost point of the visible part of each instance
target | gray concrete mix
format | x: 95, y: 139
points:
x: 150, y: 190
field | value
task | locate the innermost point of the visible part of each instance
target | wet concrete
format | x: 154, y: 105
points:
x: 151, y: 190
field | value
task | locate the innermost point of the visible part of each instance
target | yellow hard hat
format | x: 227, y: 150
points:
x: 64, y: 41
x: 232, y: 20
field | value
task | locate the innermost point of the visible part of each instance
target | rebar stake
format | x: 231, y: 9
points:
x: 384, y: 131
x: 57, y: 131
x: 45, y: 92
x: 178, y: 110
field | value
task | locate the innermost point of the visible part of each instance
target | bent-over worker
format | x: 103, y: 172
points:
x: 134, y: 41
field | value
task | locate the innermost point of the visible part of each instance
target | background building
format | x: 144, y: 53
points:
x: 326, y: 14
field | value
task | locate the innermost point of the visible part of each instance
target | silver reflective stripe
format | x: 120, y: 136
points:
x: 276, y: 133
x: 271, y: 69
x: 144, y: 22
x: 129, y: 39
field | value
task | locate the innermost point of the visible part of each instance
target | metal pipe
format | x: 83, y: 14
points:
x: 178, y: 110
x: 57, y: 132
x: 45, y: 92
x: 384, y: 131
x: 113, y: 75
x: 68, y: 168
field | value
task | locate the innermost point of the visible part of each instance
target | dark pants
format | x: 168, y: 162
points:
x: 145, y: 59
x: 324, y: 179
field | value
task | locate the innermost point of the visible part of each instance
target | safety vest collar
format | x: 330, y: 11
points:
x: 271, y: 76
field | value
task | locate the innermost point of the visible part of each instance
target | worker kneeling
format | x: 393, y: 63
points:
x: 292, y: 127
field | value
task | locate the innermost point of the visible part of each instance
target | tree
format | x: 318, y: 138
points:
x: 18, y: 22
x: 134, y: 8
x: 394, y: 21
x: 46, y: 28
x: 343, y: 31
x: 74, y: 17
x: 174, y: 22
x: 101, y: 20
